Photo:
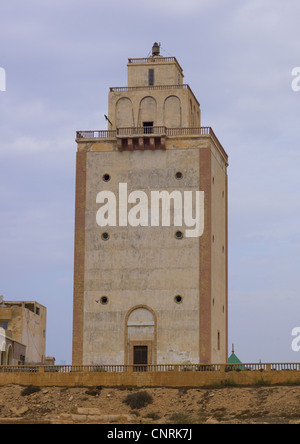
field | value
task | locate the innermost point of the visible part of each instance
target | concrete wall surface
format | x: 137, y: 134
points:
x: 224, y: 375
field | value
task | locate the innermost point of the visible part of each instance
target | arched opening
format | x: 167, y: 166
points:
x: 172, y: 112
x: 140, y: 328
x: 147, y: 112
x: 124, y: 113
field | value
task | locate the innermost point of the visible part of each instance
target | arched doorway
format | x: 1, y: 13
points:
x: 140, y: 336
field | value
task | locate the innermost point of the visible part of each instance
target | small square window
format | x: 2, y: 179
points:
x: 4, y: 325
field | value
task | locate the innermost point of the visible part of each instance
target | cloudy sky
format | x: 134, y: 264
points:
x: 61, y: 57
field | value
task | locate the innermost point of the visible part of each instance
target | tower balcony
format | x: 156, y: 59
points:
x: 141, y: 138
x: 151, y: 137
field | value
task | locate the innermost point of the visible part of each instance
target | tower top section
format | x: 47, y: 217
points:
x: 155, y: 49
x: 154, y: 71
x: 154, y: 106
x: 155, y: 96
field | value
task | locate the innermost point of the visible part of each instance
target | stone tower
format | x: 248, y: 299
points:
x: 149, y: 286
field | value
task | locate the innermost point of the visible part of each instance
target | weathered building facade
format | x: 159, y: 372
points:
x: 23, y: 332
x: 149, y: 286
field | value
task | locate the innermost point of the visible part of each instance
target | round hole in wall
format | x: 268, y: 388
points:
x: 179, y: 235
x: 178, y: 175
x: 106, y: 177
x: 104, y: 300
x: 105, y: 236
x: 178, y: 299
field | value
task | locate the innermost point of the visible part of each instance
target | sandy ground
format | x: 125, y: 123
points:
x: 231, y: 405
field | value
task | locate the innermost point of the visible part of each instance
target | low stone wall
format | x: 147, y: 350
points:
x: 223, y: 376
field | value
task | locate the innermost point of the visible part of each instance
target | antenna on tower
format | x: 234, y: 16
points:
x: 106, y: 118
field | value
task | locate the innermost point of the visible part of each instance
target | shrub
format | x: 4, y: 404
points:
x: 30, y: 389
x: 138, y: 400
x: 93, y: 391
x: 181, y: 418
x: 153, y: 415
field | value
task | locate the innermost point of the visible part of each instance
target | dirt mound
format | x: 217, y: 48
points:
x: 231, y: 405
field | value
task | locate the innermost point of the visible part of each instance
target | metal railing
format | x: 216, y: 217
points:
x: 261, y: 367
x: 155, y: 130
x: 152, y: 60
x: 161, y: 130
x: 153, y: 88
x: 155, y: 60
x: 141, y: 131
x: 97, y: 134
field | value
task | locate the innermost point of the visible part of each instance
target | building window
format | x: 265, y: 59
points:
x: 104, y: 300
x: 151, y: 77
x: 105, y: 236
x: 178, y: 299
x: 148, y: 127
x: 4, y: 325
x: 219, y: 341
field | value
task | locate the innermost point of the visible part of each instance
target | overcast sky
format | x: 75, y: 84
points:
x: 61, y: 57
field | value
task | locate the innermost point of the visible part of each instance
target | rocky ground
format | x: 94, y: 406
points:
x: 230, y: 405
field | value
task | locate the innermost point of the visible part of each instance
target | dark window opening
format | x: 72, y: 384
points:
x: 178, y: 299
x: 148, y: 127
x: 4, y: 325
x: 105, y: 236
x: 151, y: 77
x: 140, y: 357
x: 30, y: 307
x: 179, y: 175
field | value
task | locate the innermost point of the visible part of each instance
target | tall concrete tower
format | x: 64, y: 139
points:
x: 150, y: 280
